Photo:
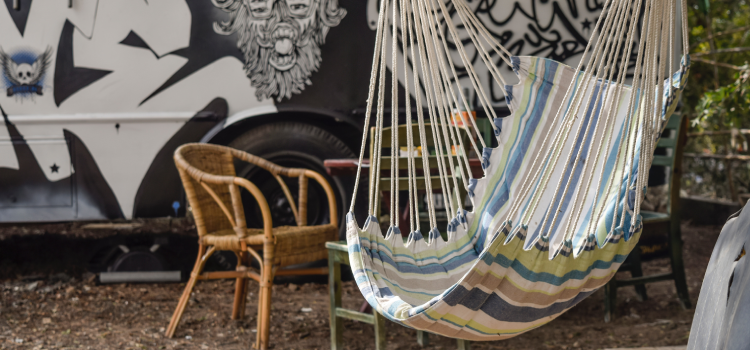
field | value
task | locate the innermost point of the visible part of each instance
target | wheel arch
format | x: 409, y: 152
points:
x: 343, y: 126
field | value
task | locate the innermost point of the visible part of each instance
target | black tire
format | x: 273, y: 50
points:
x: 291, y: 144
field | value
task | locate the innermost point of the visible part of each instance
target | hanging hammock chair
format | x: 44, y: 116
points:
x: 558, y: 208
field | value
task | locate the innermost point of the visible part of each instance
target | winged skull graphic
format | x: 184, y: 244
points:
x: 24, y: 78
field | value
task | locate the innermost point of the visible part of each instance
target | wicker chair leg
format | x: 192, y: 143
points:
x: 264, y: 301
x: 243, y: 300
x: 264, y: 317
x: 182, y: 304
x: 259, y: 320
x: 240, y: 290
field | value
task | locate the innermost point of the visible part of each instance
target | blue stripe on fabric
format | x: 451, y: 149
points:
x: 426, y: 269
x: 384, y: 247
x: 609, y: 169
x: 498, y: 124
x: 572, y: 175
x: 501, y: 190
x: 486, y: 214
x: 546, y: 277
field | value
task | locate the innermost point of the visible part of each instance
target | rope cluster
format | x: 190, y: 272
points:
x: 427, y: 71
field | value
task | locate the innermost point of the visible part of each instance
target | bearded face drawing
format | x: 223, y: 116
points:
x: 280, y: 40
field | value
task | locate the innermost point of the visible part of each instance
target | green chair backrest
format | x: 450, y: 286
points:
x: 385, y: 163
x: 673, y: 142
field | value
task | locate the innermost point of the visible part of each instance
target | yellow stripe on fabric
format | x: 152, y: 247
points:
x: 532, y: 262
x: 519, y: 285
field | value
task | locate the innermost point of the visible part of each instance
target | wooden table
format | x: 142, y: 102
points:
x: 348, y: 166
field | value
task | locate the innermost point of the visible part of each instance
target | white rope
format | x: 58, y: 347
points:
x: 473, y: 77
x: 433, y: 105
x: 606, y: 116
x: 529, y: 181
x: 633, y: 111
x: 599, y: 209
x: 413, y: 209
x: 601, y: 67
x: 439, y: 90
x: 460, y: 90
x: 416, y: 8
x: 368, y: 109
x: 375, y: 166
x: 685, y: 44
x: 571, y: 115
x: 461, y: 6
x: 649, y: 105
x: 395, y: 212
x: 442, y: 145
x: 446, y: 111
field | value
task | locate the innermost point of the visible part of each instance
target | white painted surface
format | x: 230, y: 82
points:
x: 91, y: 113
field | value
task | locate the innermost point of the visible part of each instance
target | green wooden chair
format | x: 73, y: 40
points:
x: 338, y: 254
x: 338, y: 251
x: 661, y: 231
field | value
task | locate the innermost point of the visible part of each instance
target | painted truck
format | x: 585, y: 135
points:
x: 97, y: 94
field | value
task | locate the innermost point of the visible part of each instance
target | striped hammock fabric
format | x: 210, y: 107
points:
x: 484, y: 284
x: 558, y: 208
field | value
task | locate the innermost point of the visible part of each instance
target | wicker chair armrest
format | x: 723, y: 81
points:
x: 262, y: 203
x: 329, y: 194
x: 275, y: 169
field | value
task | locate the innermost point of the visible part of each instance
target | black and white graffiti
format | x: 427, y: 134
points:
x: 24, y: 71
x: 554, y: 29
x: 280, y: 40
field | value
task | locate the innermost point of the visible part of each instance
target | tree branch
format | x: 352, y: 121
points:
x: 726, y: 32
x: 718, y: 64
x: 729, y: 50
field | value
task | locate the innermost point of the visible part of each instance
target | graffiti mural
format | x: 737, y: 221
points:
x: 558, y: 30
x: 554, y: 29
x: 24, y: 72
x: 280, y: 40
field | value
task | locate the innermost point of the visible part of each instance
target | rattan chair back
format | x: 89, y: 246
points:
x: 195, y: 162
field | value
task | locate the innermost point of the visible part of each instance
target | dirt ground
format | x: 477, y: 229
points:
x: 49, y: 301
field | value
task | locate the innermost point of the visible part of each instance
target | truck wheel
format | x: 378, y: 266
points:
x: 293, y: 145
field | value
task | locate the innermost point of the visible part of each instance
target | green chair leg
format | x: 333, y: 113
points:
x: 338, y: 255
x: 463, y: 344
x: 610, y: 300
x: 423, y: 338
x: 636, y: 270
x: 334, y: 285
x: 678, y: 269
x: 379, y: 330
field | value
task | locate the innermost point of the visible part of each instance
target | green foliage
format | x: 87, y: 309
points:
x: 705, y: 78
x: 717, y: 96
x: 728, y: 106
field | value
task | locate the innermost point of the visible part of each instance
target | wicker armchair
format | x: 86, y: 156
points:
x: 213, y: 192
